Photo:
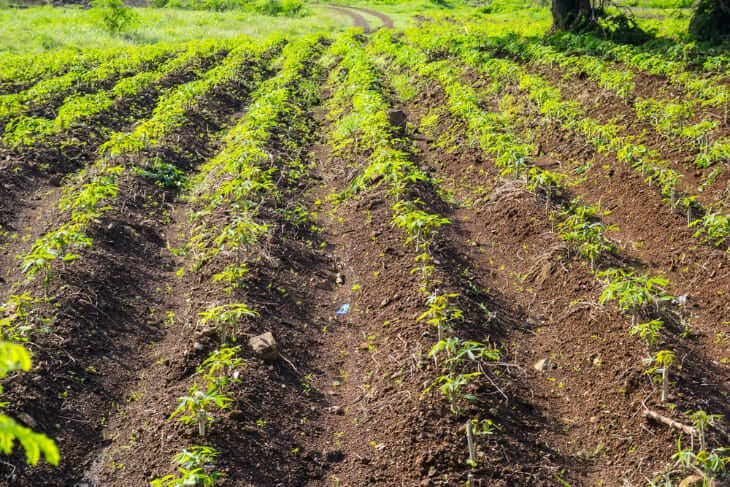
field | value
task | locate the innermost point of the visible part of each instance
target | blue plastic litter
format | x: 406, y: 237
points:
x: 344, y: 309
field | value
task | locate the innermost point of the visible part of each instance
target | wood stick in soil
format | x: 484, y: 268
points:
x: 669, y: 422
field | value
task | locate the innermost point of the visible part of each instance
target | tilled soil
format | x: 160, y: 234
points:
x: 345, y: 403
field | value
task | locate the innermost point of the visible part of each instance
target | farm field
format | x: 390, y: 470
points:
x: 439, y: 249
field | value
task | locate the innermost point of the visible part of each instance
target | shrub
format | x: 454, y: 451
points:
x: 115, y: 15
x: 289, y: 8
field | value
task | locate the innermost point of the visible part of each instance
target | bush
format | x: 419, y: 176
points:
x: 115, y: 15
x: 711, y: 20
x: 288, y: 8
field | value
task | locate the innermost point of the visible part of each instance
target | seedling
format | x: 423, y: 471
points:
x: 219, y: 368
x: 665, y: 358
x: 196, y: 407
x: 226, y: 318
x: 649, y: 331
x: 52, y: 246
x: 708, y: 464
x: 441, y: 313
x: 195, y: 464
x: 16, y: 358
x: 632, y: 292
x: 419, y: 225
x: 588, y: 237
x: 714, y: 228
x: 459, y: 351
x: 240, y: 234
x: 701, y: 420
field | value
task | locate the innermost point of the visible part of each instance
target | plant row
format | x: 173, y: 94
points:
x: 83, y: 109
x: 230, y: 194
x: 669, y: 118
x: 19, y: 72
x: 85, y: 204
x: 712, y: 227
x: 45, y: 96
x: 135, y: 152
x: 359, y: 108
x: 711, y: 89
x: 640, y: 296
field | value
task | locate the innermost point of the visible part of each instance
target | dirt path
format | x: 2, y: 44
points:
x: 387, y: 21
x: 357, y: 19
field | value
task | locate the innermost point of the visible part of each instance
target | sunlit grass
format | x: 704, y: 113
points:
x: 46, y: 28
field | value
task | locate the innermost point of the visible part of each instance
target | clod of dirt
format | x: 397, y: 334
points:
x: 27, y: 420
x: 691, y: 481
x: 338, y: 410
x: 397, y: 119
x: 265, y: 346
x: 334, y: 456
x: 544, y: 364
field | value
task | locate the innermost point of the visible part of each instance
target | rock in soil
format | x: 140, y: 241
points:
x: 338, y: 410
x: 543, y: 365
x: 265, y: 346
x: 397, y: 119
x: 691, y: 481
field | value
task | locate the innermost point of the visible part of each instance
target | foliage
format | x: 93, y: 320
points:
x: 197, y: 407
x: 459, y: 352
x: 586, y: 236
x: 633, y: 292
x: 163, y: 174
x: 14, y: 358
x: 441, y: 312
x: 194, y: 464
x: 285, y: 8
x: 648, y: 331
x: 115, y: 15
x: 226, y: 318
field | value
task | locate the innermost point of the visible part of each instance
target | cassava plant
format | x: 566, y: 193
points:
x: 220, y: 367
x: 633, y: 293
x: 707, y: 464
x: 197, y: 407
x: 16, y: 358
x: 648, y: 331
x: 419, y: 225
x: 701, y: 421
x: 665, y: 359
x: 226, y: 318
x: 459, y: 352
x: 195, y: 469
x: 441, y: 313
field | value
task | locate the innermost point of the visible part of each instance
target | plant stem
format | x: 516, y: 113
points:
x: 202, y: 419
x: 470, y: 444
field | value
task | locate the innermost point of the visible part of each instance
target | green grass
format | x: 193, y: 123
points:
x: 41, y: 29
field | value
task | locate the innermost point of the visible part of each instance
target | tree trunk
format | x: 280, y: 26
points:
x: 571, y: 14
x: 711, y: 20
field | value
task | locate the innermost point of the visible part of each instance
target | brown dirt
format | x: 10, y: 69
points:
x: 346, y: 408
x: 357, y: 19
x: 104, y: 310
x: 387, y: 21
x: 605, y: 107
x: 522, y: 241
